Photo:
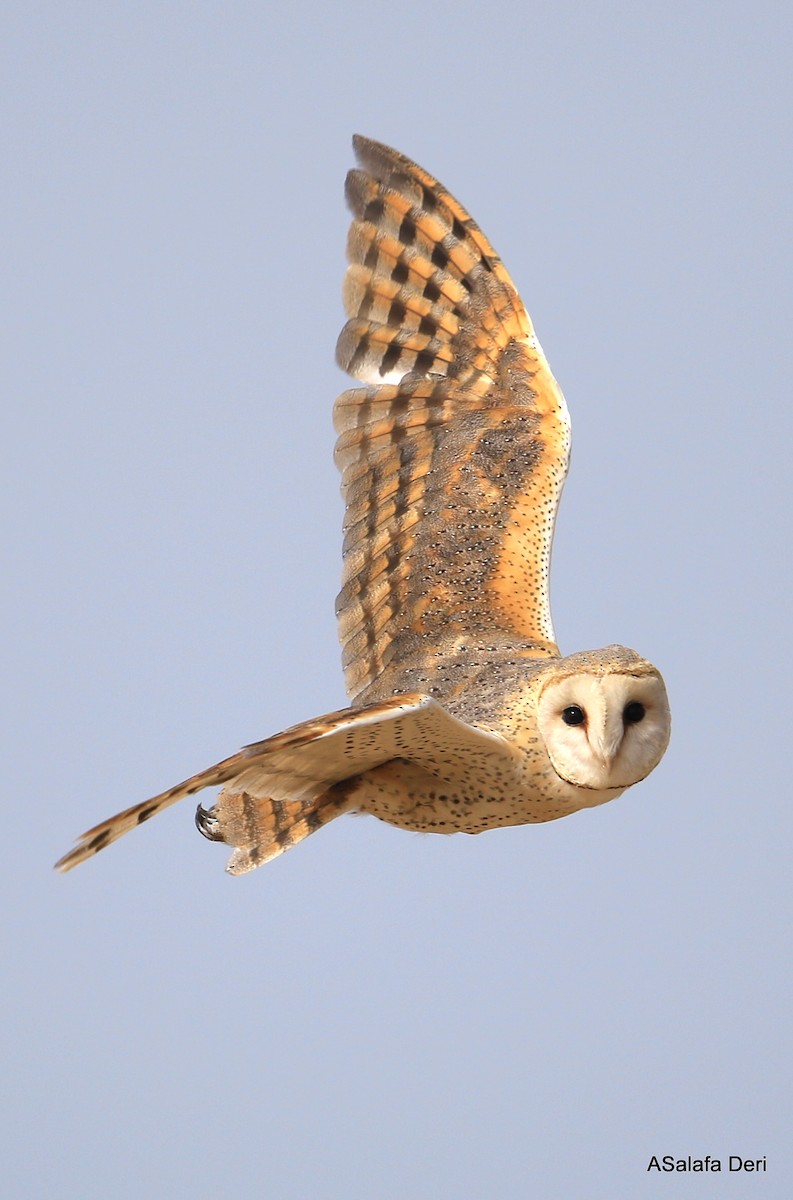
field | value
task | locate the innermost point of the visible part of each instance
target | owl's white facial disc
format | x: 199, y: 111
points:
x: 604, y: 731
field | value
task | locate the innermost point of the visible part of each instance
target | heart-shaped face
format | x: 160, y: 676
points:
x: 604, y: 731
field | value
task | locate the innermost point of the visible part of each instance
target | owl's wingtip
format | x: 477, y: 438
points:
x: 363, y: 146
x: 69, y: 860
x: 372, y: 154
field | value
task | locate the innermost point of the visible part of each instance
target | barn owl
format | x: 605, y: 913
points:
x: 464, y: 716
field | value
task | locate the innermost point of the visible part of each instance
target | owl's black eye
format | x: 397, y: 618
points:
x: 633, y: 713
x: 573, y: 715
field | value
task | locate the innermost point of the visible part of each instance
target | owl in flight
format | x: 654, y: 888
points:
x: 464, y: 716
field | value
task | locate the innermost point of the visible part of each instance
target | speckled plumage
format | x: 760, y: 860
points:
x: 453, y: 459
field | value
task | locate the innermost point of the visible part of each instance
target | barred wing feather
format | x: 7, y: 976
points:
x: 454, y: 456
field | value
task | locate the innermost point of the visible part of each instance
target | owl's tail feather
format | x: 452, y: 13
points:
x: 260, y: 828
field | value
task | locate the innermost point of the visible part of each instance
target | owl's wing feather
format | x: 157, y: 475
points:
x: 454, y: 457
x: 300, y: 764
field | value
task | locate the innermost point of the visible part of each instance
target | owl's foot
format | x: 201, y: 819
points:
x: 208, y: 824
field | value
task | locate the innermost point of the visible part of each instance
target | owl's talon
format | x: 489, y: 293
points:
x: 208, y: 824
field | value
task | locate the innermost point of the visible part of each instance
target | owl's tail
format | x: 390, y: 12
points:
x: 260, y: 828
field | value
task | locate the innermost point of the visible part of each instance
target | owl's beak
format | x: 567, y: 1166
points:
x: 606, y: 746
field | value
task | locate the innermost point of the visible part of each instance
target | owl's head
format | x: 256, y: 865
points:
x: 604, y: 717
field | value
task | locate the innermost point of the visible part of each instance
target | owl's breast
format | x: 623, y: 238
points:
x: 487, y: 791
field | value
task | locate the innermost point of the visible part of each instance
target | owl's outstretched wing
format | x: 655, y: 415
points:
x: 454, y: 458
x: 269, y: 801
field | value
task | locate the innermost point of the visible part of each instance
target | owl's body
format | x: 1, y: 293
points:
x: 465, y: 716
x: 469, y: 786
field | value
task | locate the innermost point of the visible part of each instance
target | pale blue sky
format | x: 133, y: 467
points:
x: 530, y: 1013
